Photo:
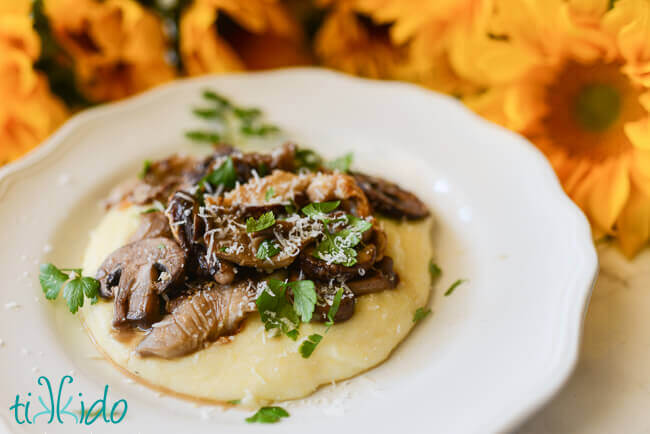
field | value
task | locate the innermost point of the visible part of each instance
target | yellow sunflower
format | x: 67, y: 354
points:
x: 352, y: 40
x: 394, y: 39
x: 227, y: 35
x: 118, y: 47
x: 574, y: 77
x: 28, y: 112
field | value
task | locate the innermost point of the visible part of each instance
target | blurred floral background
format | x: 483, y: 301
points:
x: 573, y: 76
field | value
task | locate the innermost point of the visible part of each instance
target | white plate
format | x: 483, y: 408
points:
x: 494, y: 351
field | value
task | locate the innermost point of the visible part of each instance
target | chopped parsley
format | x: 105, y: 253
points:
x: 339, y: 248
x: 434, y: 270
x: 278, y: 313
x: 268, y: 415
x: 75, y: 286
x: 342, y: 164
x: 317, y: 210
x: 267, y: 249
x: 308, y: 346
x: 265, y: 221
x: 275, y: 310
x: 420, y: 314
x: 307, y: 159
x: 334, y: 308
x: 304, y: 298
x: 269, y: 193
x: 225, y: 175
x: 146, y: 167
x: 454, y: 286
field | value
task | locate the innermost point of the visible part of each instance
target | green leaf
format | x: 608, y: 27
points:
x: 52, y: 279
x: 434, y: 271
x: 207, y: 113
x: 339, y: 248
x: 269, y: 193
x: 224, y: 175
x: 420, y: 314
x: 268, y: 415
x: 262, y: 130
x: 304, y: 298
x: 146, y: 166
x: 203, y: 136
x: 275, y: 310
x: 342, y: 164
x: 234, y: 401
x: 334, y: 308
x: 73, y: 293
x: 267, y: 249
x: 307, y: 159
x: 317, y: 210
x: 454, y: 286
x: 247, y: 114
x: 308, y: 346
x: 90, y: 288
x: 266, y: 220
x: 211, y: 95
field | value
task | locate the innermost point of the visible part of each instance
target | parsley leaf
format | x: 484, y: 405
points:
x: 146, y: 167
x: 317, y: 210
x: 266, y: 220
x: 342, y: 164
x: 308, y: 346
x: 75, y: 286
x: 304, y: 298
x: 267, y: 249
x: 73, y: 295
x: 52, y: 279
x: 307, y: 159
x: 434, y: 270
x: 420, y: 314
x: 339, y: 248
x: 269, y: 193
x: 275, y: 310
x: 454, y: 286
x: 334, y: 308
x: 225, y: 175
x: 268, y: 415
x: 203, y: 136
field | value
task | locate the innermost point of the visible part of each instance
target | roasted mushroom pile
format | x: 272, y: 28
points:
x: 231, y: 223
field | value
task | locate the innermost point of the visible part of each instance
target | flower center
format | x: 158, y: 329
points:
x: 597, y: 106
x: 587, y: 107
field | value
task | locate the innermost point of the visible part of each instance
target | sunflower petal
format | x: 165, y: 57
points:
x: 633, y: 224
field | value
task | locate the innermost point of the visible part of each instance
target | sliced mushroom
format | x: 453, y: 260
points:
x: 318, y: 269
x: 390, y: 199
x: 380, y: 278
x: 152, y: 225
x: 161, y: 179
x: 136, y: 274
x: 325, y: 296
x: 210, y: 312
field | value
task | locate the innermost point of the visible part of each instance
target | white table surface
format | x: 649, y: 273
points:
x: 609, y: 391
